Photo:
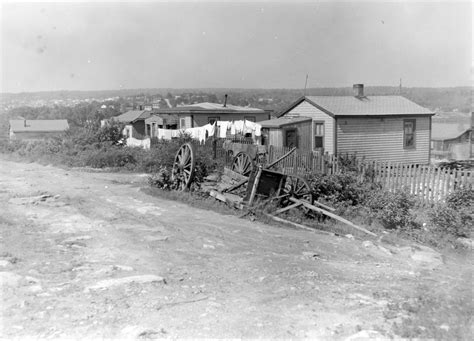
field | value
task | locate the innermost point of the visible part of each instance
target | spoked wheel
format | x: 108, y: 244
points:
x: 184, y: 166
x: 243, y: 164
x: 298, y: 188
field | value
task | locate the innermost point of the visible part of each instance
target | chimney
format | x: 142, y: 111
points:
x: 358, y: 90
x: 225, y: 100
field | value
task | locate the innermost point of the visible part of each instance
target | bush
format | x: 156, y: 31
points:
x: 455, y: 217
x: 110, y: 157
x: 391, y: 209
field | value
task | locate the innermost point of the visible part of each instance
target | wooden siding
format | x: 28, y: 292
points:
x: 377, y: 138
x: 276, y: 136
x: 34, y: 135
x: 305, y: 109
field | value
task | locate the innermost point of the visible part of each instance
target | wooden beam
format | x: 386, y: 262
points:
x: 287, y: 208
x: 324, y: 206
x: 303, y: 227
x: 279, y: 159
x: 332, y: 215
x: 237, y: 185
x: 255, y: 185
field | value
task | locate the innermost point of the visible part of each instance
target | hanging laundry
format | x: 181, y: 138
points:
x: 223, y: 125
x: 239, y: 127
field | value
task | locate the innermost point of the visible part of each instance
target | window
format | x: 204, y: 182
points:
x: 409, y: 129
x: 211, y: 120
x: 182, y: 123
x: 265, y: 136
x: 250, y: 118
x: 318, y: 132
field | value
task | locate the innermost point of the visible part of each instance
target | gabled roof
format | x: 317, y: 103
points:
x: 132, y: 116
x: 283, y: 121
x: 18, y: 126
x: 362, y: 106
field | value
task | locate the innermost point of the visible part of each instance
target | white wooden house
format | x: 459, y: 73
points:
x: 389, y: 128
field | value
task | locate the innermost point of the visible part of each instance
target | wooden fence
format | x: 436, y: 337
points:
x: 429, y: 183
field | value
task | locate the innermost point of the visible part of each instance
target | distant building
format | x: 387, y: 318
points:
x: 36, y: 129
x: 452, y: 141
x: 200, y: 114
x: 135, y: 122
x: 388, y: 128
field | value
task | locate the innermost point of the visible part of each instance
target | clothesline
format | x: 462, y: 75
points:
x: 209, y: 130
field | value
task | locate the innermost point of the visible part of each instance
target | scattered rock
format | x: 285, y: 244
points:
x: 29, y: 200
x: 156, y: 238
x: 426, y: 256
x: 73, y: 240
x: 465, y: 242
x: 349, y: 236
x: 108, y: 283
x: 30, y: 280
x: 310, y: 255
x: 207, y: 246
x: 34, y: 288
x: 4, y: 263
x: 122, y: 268
x: 368, y: 244
x: 9, y: 279
x: 366, y: 335
x: 384, y: 250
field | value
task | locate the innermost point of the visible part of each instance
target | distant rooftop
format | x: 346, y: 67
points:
x: 18, y: 126
x: 133, y: 115
x: 207, y: 107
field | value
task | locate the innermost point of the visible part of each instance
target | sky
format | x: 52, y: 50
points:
x: 230, y: 44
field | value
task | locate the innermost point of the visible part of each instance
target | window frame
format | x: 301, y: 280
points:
x: 250, y: 118
x: 413, y: 133
x: 314, y: 134
x: 213, y: 118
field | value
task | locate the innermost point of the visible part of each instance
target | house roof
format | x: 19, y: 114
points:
x: 162, y: 119
x: 363, y: 106
x: 283, y: 121
x: 445, y: 131
x: 18, y: 126
x: 209, y: 108
x: 133, y: 115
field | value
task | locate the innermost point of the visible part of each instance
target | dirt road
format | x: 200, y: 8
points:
x: 89, y: 255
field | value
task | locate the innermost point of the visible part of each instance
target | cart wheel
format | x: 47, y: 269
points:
x: 243, y: 164
x: 184, y: 166
x: 298, y: 188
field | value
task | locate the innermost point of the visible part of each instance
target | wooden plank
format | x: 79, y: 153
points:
x: 303, y: 227
x: 234, y: 175
x: 255, y: 185
x: 332, y: 215
x: 279, y: 159
x: 287, y: 208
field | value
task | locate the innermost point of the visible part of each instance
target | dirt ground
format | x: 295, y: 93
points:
x: 87, y: 254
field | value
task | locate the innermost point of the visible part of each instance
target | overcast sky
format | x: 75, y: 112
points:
x: 113, y: 45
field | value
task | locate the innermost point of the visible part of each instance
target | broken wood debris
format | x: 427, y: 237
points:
x: 332, y: 215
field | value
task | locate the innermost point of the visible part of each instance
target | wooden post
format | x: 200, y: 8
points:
x: 255, y: 185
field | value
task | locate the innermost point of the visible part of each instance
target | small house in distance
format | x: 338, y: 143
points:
x: 386, y: 128
x: 135, y: 122
x: 452, y: 141
x: 200, y: 114
x: 36, y: 129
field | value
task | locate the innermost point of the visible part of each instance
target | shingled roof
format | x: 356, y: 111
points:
x: 362, y: 106
x: 18, y: 126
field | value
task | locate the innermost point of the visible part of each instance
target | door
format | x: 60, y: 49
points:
x: 291, y: 138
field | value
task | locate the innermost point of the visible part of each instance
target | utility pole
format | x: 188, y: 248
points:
x: 305, y: 84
